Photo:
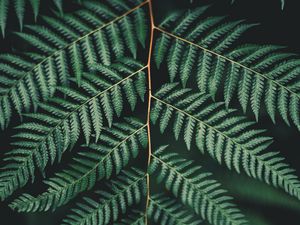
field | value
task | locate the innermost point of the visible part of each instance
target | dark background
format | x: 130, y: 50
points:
x: 264, y: 205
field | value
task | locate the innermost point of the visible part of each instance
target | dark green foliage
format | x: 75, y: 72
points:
x: 82, y: 80
x: 168, y: 211
x: 194, y: 188
x: 115, y: 148
x: 134, y: 218
x: 19, y: 7
x: 127, y: 189
x: 63, y: 47
x: 61, y: 121
x: 227, y: 137
x: 256, y: 75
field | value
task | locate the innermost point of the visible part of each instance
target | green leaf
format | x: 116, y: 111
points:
x: 242, y: 72
x: 227, y: 137
x: 69, y: 116
x: 88, y: 167
x: 127, y: 189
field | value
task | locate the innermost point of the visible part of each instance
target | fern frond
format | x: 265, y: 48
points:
x: 19, y: 7
x: 124, y: 191
x: 136, y: 217
x: 282, y: 4
x: 35, y: 8
x: 59, y: 6
x: 227, y: 137
x: 58, y: 126
x: 64, y: 47
x: 4, y: 5
x: 256, y: 75
x: 116, y: 147
x: 167, y: 211
x: 194, y: 188
x: 20, y: 11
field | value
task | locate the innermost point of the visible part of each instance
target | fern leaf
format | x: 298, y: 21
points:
x: 136, y: 217
x: 59, y: 5
x: 236, y: 70
x: 114, y: 34
x: 4, y: 4
x: 20, y: 10
x: 35, y: 7
x: 102, y: 47
x: 69, y: 116
x: 168, y: 211
x: 181, y: 177
x: 140, y: 22
x: 161, y: 47
x: 127, y: 29
x: 99, y: 161
x: 65, y: 47
x: 19, y: 7
x: 127, y: 189
x: 232, y: 141
x: 282, y: 4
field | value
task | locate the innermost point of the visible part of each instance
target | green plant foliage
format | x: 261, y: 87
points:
x: 245, y: 188
x: 134, y: 218
x: 256, y: 75
x: 90, y: 115
x: 79, y: 40
x: 195, y: 189
x: 19, y: 7
x: 50, y: 133
x: 127, y: 189
x: 228, y: 138
x: 167, y: 210
x: 113, y: 151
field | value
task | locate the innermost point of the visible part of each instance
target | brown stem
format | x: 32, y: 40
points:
x: 152, y: 26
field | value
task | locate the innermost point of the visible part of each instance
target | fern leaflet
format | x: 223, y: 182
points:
x: 255, y: 74
x: 76, y: 83
x: 113, y: 151
x: 58, y: 128
x: 127, y: 189
x: 136, y: 217
x: 231, y: 140
x: 193, y: 187
x: 80, y: 39
x: 168, y: 211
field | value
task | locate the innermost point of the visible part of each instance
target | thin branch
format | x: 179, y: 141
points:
x: 152, y: 26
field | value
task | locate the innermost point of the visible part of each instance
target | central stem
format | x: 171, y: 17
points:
x: 152, y: 26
